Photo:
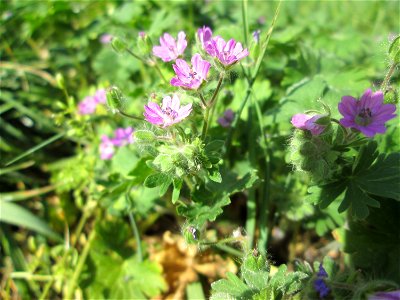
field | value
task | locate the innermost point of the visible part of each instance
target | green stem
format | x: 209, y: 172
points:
x: 137, y: 236
x: 136, y: 56
x: 252, y: 80
x: 245, y: 22
x: 203, y: 101
x: 29, y: 276
x: 214, y: 96
x: 205, y: 124
x: 80, y: 265
x: 160, y: 73
x: 387, y: 77
x: 209, y: 106
x: 128, y: 115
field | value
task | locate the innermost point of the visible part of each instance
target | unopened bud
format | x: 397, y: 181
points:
x: 115, y: 98
x: 191, y: 235
x: 60, y: 81
x: 119, y: 45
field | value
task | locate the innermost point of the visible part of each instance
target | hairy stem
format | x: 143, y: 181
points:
x: 389, y: 75
x: 128, y: 115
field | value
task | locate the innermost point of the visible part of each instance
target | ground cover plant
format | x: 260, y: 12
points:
x: 200, y: 150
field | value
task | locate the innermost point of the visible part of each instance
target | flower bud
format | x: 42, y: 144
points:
x: 191, y: 235
x: 118, y: 45
x: 60, y: 81
x: 115, y: 98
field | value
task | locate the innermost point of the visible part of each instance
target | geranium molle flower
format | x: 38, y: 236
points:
x: 306, y: 122
x: 169, y: 113
x: 368, y: 114
x: 100, y: 96
x: 205, y: 35
x: 190, y: 78
x: 227, y: 119
x: 106, y: 148
x: 228, y: 53
x: 170, y: 49
x: 122, y: 136
x: 87, y: 106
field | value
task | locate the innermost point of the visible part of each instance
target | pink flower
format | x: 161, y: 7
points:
x: 170, y: 49
x: 190, y: 78
x: 205, y: 35
x: 122, y: 137
x: 100, y: 96
x: 106, y: 38
x: 87, y: 106
x: 368, y: 114
x: 306, y: 122
x: 228, y: 53
x: 227, y: 118
x: 106, y: 148
x: 170, y: 113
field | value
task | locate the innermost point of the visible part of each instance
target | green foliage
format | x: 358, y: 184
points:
x: 117, y: 273
x: 14, y: 214
x: 211, y: 197
x: 372, y: 174
x: 257, y: 282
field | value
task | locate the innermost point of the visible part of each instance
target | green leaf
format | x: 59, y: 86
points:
x: 209, y: 199
x: 155, y: 180
x: 382, y: 178
x: 14, y: 214
x: 255, y: 271
x: 230, y: 288
x: 177, y: 182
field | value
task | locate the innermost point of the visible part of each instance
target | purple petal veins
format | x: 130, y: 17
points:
x: 190, y: 77
x: 368, y: 114
x: 170, y: 49
x: 170, y: 112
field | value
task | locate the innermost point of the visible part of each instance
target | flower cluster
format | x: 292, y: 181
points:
x: 367, y: 115
x: 319, y: 283
x: 122, y: 137
x: 190, y: 76
x: 169, y: 113
x: 89, y: 104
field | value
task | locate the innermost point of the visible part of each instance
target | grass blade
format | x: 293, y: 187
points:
x: 16, y: 215
x: 37, y: 147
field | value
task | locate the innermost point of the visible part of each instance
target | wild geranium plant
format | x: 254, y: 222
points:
x: 181, y: 154
x: 265, y: 160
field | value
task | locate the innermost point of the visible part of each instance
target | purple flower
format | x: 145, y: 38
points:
x: 319, y: 283
x: 256, y: 36
x: 170, y: 113
x: 228, y: 53
x: 87, y: 106
x: 368, y: 114
x: 227, y: 119
x: 106, y: 38
x: 306, y: 122
x: 122, y: 137
x: 170, y: 49
x: 100, y: 96
x: 321, y: 288
x: 190, y: 78
x: 394, y: 295
x: 106, y: 148
x: 142, y: 34
x: 205, y: 35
